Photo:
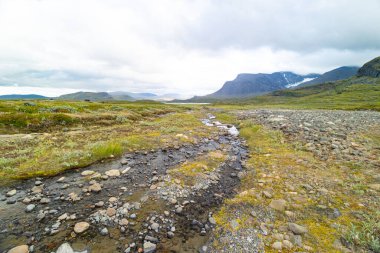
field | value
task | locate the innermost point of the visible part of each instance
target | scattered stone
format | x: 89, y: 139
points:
x: 95, y: 187
x: 87, y: 173
x: 277, y: 245
x: 278, y: 204
x: 123, y: 222
x: 37, y: 189
x: 149, y: 247
x: 61, y: 179
x: 297, y: 229
x: 287, y: 244
x: 212, y: 221
x: 113, y: 173
x: 170, y: 234
x: 155, y: 227
x: 112, y: 199
x: 99, y: 204
x: 104, y: 231
x: 30, y: 208
x: 63, y: 217
x: 125, y: 170
x: 267, y: 194
x: 178, y: 210
x: 65, y: 248
x: 80, y: 227
x: 26, y: 200
x: 11, y: 193
x: 38, y: 182
x: 73, y: 196
x: 19, y: 249
x: 111, y: 211
x: 45, y: 201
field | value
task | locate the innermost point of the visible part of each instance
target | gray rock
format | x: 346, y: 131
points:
x: 104, y: 231
x: 297, y: 229
x: 11, y: 193
x: 30, y: 208
x: 45, y: 201
x: 155, y: 226
x: 37, y: 183
x: 149, y: 247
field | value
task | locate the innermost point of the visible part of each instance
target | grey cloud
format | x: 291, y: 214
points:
x: 187, y: 46
x: 300, y: 25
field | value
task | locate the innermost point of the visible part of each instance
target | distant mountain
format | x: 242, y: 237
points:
x: 245, y: 85
x: 371, y: 68
x: 333, y: 75
x: 124, y: 95
x: 20, y: 96
x: 93, y: 96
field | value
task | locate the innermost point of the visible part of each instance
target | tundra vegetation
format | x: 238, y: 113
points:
x: 332, y: 202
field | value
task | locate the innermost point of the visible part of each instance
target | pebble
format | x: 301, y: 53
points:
x: 123, y: 222
x: 104, y: 231
x: 30, y: 208
x: 96, y: 187
x: 155, y: 227
x: 63, y: 217
x: 113, y: 173
x: 277, y: 245
x: 170, y: 234
x: 149, y: 247
x: 111, y: 211
x: 11, y: 193
x: 112, y: 199
x: 26, y: 200
x: 278, y: 204
x: 19, y: 249
x: 99, y: 204
x: 65, y: 248
x: 297, y: 229
x: 45, y: 201
x: 287, y: 244
x: 87, y: 173
x: 212, y: 221
x: 80, y: 227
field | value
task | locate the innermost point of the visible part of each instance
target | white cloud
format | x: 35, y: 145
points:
x: 186, y: 46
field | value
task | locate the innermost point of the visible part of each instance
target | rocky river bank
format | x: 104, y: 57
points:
x: 131, y: 204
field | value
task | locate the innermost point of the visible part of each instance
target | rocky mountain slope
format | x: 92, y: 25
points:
x: 333, y: 75
x: 371, y: 68
x: 255, y: 84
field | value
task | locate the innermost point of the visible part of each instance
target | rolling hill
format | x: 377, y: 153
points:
x: 21, y: 96
x: 97, y: 96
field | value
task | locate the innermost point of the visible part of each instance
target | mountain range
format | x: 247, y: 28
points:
x: 243, y: 86
x: 98, y: 96
x: 248, y: 85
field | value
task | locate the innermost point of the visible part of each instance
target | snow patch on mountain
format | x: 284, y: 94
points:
x: 298, y: 83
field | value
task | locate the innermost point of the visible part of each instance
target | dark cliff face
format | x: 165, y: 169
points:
x: 371, y: 68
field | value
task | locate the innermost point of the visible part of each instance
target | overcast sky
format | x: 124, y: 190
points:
x: 181, y: 46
